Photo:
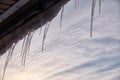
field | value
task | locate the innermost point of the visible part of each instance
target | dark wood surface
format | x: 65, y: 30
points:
x: 6, y: 4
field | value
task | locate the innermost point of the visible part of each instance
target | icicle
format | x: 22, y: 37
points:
x: 76, y: 4
x: 61, y: 17
x: 10, y: 53
x: 40, y: 31
x: 24, y: 40
x: 26, y: 47
x: 24, y: 51
x: 45, y: 34
x: 92, y: 16
x: 100, y: 4
x: 29, y: 42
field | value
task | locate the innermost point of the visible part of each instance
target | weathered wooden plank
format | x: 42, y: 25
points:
x: 13, y: 8
x: 3, y: 6
x: 1, y: 11
x: 7, y: 2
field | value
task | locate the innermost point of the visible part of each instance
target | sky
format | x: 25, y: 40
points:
x: 70, y: 53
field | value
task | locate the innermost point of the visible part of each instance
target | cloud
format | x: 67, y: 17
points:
x: 70, y: 54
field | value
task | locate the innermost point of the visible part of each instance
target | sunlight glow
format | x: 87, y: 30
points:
x: 25, y: 76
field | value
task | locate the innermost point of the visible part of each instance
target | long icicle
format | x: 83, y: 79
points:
x: 78, y: 3
x: 30, y: 39
x: 45, y: 34
x: 40, y: 31
x: 23, y: 44
x: 26, y: 47
x: 92, y: 17
x: 61, y: 17
x: 10, y: 53
x: 75, y: 4
x: 100, y: 5
x: 24, y: 51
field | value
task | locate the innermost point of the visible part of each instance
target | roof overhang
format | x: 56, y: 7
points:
x: 26, y: 17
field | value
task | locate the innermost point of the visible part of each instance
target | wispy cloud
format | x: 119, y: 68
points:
x: 70, y: 53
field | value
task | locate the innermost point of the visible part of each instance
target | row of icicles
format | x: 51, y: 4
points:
x: 27, y: 39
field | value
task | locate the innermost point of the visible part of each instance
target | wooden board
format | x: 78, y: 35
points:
x: 6, y: 4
